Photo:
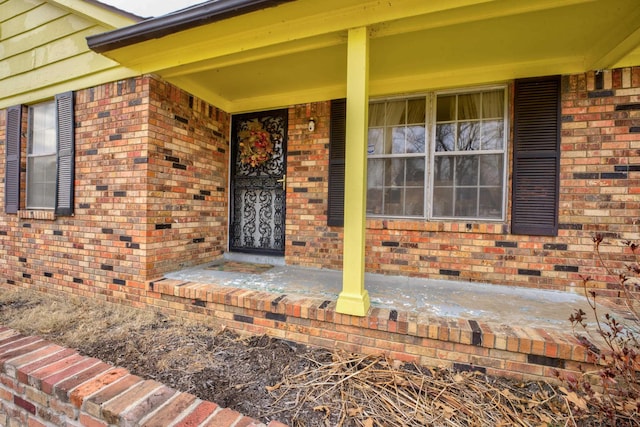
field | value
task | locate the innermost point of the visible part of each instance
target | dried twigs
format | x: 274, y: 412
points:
x: 368, y: 390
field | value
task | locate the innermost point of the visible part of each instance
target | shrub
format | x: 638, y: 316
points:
x: 611, y: 390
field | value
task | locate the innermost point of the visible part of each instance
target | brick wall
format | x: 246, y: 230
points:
x: 309, y: 240
x: 150, y: 190
x: 188, y: 157
x: 600, y: 187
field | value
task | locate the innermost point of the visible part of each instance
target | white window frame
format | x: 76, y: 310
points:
x: 424, y: 155
x: 430, y: 153
x: 54, y: 154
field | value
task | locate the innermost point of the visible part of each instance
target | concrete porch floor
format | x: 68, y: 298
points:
x: 494, y: 304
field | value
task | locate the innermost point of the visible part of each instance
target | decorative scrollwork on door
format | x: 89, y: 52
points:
x: 258, y: 193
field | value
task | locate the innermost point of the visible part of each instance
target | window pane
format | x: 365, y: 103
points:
x: 414, y: 202
x: 469, y: 106
x: 393, y: 201
x: 395, y: 113
x: 398, y: 140
x: 443, y: 202
x: 374, y: 201
x: 376, y: 114
x: 443, y: 171
x: 446, y: 108
x: 466, y: 172
x: 415, y: 172
x: 375, y: 173
x: 415, y: 139
x: 493, y: 135
x: 388, y: 140
x: 491, y: 170
x: 493, y: 104
x: 490, y: 203
x: 416, y: 111
x: 41, y: 182
x: 445, y: 137
x: 468, y: 136
x: 375, y: 178
x: 466, y: 202
x: 42, y: 129
x: 394, y: 172
x: 375, y: 143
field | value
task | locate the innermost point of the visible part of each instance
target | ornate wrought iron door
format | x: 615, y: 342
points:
x: 258, y: 182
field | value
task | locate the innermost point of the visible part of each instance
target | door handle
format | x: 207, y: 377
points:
x: 283, y: 180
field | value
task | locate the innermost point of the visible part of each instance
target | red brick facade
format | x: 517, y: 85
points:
x: 151, y: 196
x: 600, y: 183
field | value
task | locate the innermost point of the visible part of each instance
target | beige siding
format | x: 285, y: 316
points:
x: 43, y: 51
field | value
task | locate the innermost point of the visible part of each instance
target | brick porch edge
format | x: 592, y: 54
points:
x: 43, y: 384
x: 524, y: 353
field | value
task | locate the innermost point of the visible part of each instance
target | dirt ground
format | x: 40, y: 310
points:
x: 271, y: 379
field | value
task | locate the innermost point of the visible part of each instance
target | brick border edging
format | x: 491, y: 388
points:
x: 503, y: 350
x: 42, y: 383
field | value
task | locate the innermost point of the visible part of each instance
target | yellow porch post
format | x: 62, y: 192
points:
x: 354, y: 298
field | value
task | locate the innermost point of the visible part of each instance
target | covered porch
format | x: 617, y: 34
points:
x: 256, y: 55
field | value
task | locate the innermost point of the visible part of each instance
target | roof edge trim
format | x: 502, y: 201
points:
x: 181, y: 20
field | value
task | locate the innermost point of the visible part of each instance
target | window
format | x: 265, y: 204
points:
x: 442, y: 162
x: 49, y: 156
x: 468, y: 162
x: 456, y: 152
x: 396, y: 166
x: 41, y: 157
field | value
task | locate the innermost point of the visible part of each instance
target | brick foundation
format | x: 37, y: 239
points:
x: 523, y: 353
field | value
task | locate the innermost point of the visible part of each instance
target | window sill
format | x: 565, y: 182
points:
x: 437, y: 226
x: 45, y: 215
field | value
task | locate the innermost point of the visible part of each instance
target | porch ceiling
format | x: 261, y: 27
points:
x: 296, y: 52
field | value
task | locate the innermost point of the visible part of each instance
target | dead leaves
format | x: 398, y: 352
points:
x: 370, y: 391
x: 573, y: 398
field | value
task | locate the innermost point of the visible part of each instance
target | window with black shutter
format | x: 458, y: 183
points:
x: 12, y: 165
x: 66, y: 154
x: 536, y: 157
x: 337, y: 147
x: 50, y: 156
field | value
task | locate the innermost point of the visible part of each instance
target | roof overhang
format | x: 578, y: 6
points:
x: 256, y: 54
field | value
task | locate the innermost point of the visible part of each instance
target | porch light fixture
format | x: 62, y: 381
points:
x: 312, y: 124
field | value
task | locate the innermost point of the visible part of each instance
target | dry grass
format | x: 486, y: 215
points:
x: 103, y: 329
x: 70, y: 320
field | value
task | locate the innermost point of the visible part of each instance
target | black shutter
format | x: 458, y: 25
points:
x: 536, y: 157
x: 66, y: 154
x: 337, y: 149
x: 12, y: 166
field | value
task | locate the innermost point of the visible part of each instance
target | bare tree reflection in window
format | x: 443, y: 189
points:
x: 466, y: 125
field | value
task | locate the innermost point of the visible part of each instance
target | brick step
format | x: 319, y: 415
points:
x: 44, y: 384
